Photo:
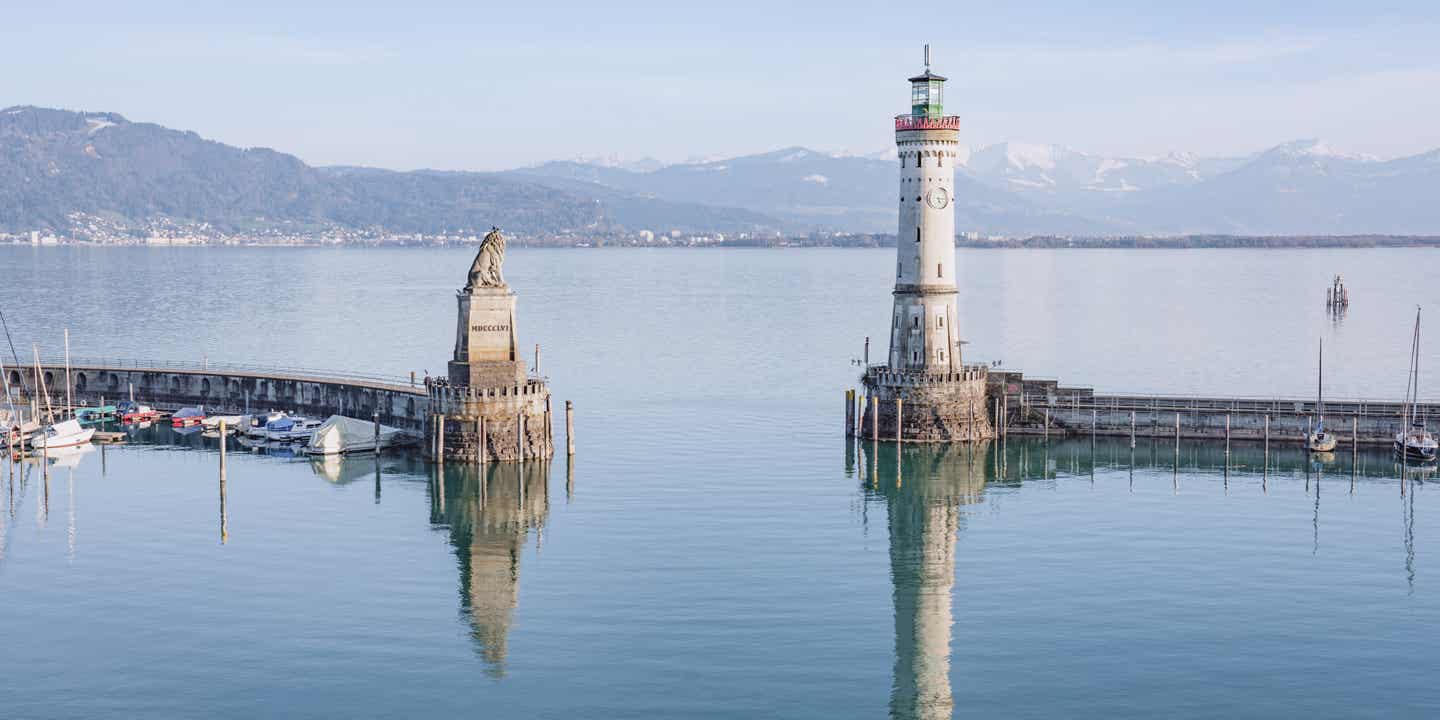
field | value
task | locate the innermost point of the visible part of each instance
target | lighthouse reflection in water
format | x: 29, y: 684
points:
x: 924, y: 490
x: 491, y: 512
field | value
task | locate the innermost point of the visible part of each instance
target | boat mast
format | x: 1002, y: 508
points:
x: 9, y: 399
x: 1320, y: 386
x: 69, y: 400
x: 1415, y: 401
x: 40, y: 381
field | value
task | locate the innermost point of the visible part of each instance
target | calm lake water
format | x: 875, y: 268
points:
x: 716, y: 549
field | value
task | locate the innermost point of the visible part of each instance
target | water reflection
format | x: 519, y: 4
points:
x: 923, y: 490
x: 490, y: 512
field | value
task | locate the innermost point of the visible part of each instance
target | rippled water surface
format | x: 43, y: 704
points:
x: 716, y: 549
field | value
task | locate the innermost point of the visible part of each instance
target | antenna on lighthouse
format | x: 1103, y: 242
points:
x: 927, y: 56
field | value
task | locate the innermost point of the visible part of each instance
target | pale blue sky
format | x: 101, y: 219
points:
x: 483, y: 85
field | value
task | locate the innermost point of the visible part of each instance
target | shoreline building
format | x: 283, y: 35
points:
x: 490, y: 407
x: 924, y: 392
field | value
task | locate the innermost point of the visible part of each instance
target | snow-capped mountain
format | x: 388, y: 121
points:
x: 1056, y: 169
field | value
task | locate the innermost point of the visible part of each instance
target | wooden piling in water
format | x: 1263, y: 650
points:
x: 375, y: 419
x: 874, y: 419
x: 899, y: 419
x: 569, y: 428
x: 1132, y: 429
x: 520, y: 437
x: 1047, y: 424
x: 1177, y: 434
x: 849, y: 410
x: 483, y: 453
x: 1227, y: 438
x: 440, y: 439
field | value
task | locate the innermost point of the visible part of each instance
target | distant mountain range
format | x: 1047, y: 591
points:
x: 55, y: 164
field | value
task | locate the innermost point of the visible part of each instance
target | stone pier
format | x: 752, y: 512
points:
x: 935, y: 407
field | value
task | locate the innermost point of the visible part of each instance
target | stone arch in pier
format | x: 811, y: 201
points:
x: 80, y: 382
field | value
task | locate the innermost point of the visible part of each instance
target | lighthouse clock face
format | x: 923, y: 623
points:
x: 937, y: 198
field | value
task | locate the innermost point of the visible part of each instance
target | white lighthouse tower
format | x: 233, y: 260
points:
x: 923, y: 334
x: 924, y: 392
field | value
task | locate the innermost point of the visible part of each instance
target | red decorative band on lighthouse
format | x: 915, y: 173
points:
x: 910, y: 122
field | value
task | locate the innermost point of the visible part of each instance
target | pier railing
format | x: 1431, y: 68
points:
x: 203, y: 366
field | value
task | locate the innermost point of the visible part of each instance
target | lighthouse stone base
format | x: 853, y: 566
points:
x: 938, y: 407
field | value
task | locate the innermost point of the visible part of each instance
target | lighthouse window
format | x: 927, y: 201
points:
x: 915, y: 356
x: 917, y: 230
x: 917, y: 321
x: 939, y: 270
x: 940, y: 321
x: 940, y: 355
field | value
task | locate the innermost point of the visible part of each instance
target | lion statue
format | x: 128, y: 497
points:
x: 485, y: 271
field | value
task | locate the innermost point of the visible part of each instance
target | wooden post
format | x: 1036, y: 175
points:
x: 549, y: 426
x: 1354, y: 434
x: 374, y: 418
x: 1177, y: 433
x: 849, y: 408
x: 1132, y: 430
x: 1227, y: 437
x: 1094, y: 423
x: 224, y: 522
x: 899, y: 419
x: 1267, y: 435
x: 569, y: 428
x: 484, y: 441
x: 440, y: 439
x: 520, y: 436
x: 874, y: 419
x: 1047, y: 424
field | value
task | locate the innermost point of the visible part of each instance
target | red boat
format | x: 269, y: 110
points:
x: 141, y: 413
x: 187, y: 416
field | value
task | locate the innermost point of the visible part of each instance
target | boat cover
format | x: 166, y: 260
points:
x: 341, y: 434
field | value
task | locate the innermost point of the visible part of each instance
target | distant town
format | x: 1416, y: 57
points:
x: 93, y: 230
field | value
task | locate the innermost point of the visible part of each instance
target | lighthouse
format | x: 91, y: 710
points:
x: 924, y: 334
x: 924, y: 392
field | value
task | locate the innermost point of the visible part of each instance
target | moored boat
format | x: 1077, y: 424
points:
x: 95, y: 414
x: 291, y: 429
x: 66, y: 433
x: 232, y: 422
x: 255, y: 425
x: 339, y: 435
x: 188, y: 416
x: 131, y: 412
x: 1414, y: 443
x: 1320, y: 441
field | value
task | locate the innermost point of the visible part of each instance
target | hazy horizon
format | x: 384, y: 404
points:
x: 496, y: 88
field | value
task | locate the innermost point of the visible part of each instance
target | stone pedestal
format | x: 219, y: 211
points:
x: 489, y: 387
x: 937, y: 408
x: 485, y: 340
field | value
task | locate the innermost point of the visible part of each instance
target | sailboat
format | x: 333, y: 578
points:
x: 1319, y: 440
x: 1413, y: 442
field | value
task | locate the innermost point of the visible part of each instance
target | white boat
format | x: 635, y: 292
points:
x: 291, y: 429
x: 1319, y: 440
x: 1414, y: 443
x: 67, y: 433
x: 340, y: 434
x: 231, y: 421
x: 255, y: 426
